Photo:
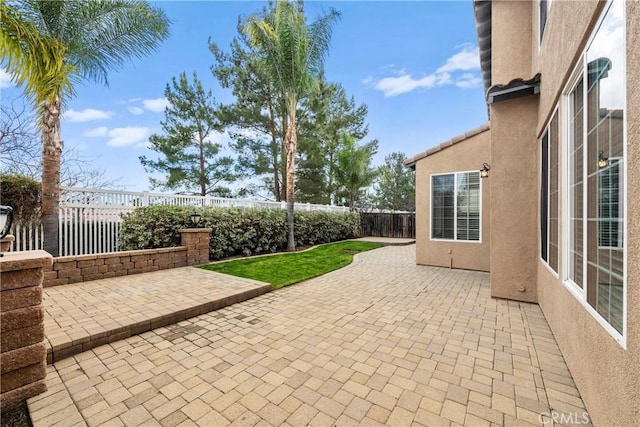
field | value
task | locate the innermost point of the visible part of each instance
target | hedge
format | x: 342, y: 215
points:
x: 235, y: 231
x: 23, y: 195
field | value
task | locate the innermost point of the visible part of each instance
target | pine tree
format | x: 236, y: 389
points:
x: 188, y: 153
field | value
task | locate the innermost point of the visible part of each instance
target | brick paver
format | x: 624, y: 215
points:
x: 382, y: 341
x: 82, y: 316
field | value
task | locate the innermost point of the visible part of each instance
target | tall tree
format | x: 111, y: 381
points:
x: 327, y: 115
x: 89, y: 38
x: 354, y: 172
x: 188, y: 155
x: 294, y: 54
x: 254, y: 120
x: 395, y: 186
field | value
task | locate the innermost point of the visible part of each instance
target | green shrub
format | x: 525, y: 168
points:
x: 23, y: 195
x: 235, y: 231
x: 152, y: 227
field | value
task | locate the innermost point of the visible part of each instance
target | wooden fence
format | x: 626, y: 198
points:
x: 402, y: 225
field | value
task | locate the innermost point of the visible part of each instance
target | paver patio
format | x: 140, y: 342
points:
x: 382, y: 341
x: 82, y: 316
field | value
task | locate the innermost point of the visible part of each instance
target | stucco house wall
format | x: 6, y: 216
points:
x: 460, y: 154
x: 605, y: 372
x: 604, y: 365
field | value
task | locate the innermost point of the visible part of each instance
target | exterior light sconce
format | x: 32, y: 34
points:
x: 484, y: 172
x: 603, y: 161
x: 195, y: 218
x: 6, y: 218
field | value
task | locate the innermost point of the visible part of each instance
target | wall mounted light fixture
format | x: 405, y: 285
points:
x: 484, y: 172
x: 603, y: 161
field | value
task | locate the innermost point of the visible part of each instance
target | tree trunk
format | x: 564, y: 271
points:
x: 275, y: 157
x: 284, y: 162
x: 203, y: 177
x: 291, y: 148
x: 51, y: 151
x: 275, y: 154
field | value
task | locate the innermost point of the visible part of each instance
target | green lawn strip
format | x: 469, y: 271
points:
x: 287, y: 269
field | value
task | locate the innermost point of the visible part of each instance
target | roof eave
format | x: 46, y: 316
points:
x: 411, y: 162
x: 515, y: 89
x: 482, y: 12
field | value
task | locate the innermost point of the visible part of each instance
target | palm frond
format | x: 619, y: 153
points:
x: 33, y: 60
x: 108, y: 33
x: 98, y: 35
x: 294, y: 51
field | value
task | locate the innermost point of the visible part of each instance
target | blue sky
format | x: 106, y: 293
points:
x: 415, y: 64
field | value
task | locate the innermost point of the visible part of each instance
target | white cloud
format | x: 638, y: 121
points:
x: 467, y: 59
x: 127, y: 136
x: 468, y: 81
x: 136, y: 111
x: 96, y: 132
x: 5, y: 79
x: 392, y: 86
x: 217, y: 137
x: 156, y: 105
x: 86, y: 115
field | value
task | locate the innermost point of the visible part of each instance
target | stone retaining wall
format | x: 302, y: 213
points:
x: 82, y: 268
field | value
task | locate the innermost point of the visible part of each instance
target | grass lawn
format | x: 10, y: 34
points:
x: 289, y: 268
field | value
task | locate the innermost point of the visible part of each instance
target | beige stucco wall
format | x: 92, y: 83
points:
x: 606, y: 373
x: 566, y: 34
x: 514, y: 199
x: 514, y: 150
x: 464, y: 156
x: 511, y: 29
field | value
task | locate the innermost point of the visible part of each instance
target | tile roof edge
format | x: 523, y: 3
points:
x: 410, y: 162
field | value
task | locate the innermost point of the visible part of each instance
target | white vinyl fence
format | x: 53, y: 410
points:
x: 90, y: 219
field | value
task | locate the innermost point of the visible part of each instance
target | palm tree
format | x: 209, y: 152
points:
x: 92, y: 36
x: 294, y: 55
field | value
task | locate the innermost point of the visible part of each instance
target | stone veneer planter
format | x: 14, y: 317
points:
x: 83, y: 268
x: 23, y: 360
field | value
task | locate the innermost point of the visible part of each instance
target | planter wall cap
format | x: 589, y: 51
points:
x: 23, y: 260
x: 195, y: 230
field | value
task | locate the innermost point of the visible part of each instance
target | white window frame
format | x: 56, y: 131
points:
x: 581, y: 293
x: 575, y: 289
x: 455, y: 208
x: 556, y: 113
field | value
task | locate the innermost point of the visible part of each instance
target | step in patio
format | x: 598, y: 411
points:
x: 82, y: 316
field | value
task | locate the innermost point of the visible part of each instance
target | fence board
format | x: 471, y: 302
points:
x: 90, y: 219
x: 383, y: 224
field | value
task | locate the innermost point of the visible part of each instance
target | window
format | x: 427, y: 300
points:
x: 543, y: 9
x: 549, y: 195
x: 610, y: 204
x: 596, y: 145
x: 455, y: 206
x: 575, y: 190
